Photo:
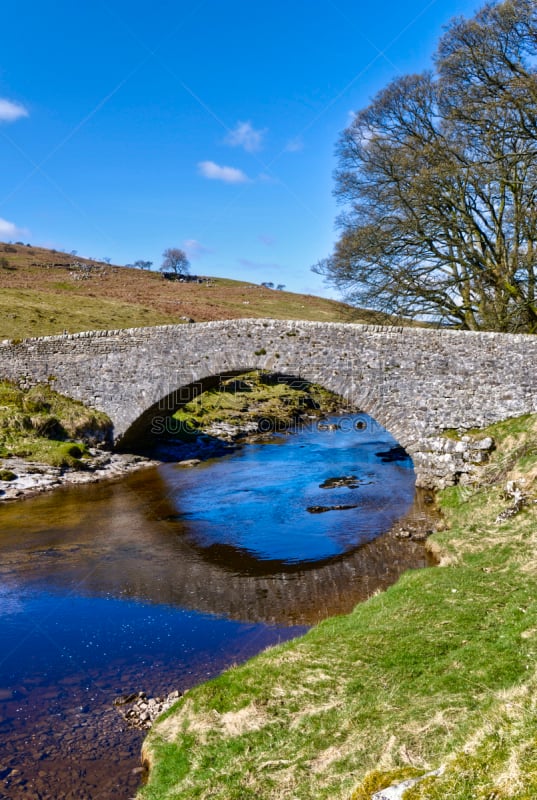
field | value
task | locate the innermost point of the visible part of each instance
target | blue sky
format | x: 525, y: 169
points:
x: 130, y: 127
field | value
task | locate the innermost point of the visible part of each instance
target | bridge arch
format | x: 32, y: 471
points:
x: 154, y: 420
x: 416, y: 382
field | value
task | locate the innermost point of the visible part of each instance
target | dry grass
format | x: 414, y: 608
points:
x: 42, y: 294
x: 232, y: 723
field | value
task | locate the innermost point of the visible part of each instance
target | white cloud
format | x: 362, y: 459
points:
x: 215, y: 172
x: 9, y: 112
x: 363, y: 136
x: 8, y: 230
x: 195, y: 249
x: 294, y: 145
x: 245, y: 135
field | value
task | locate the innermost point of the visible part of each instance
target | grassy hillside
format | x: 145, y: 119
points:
x: 439, y: 671
x: 42, y: 293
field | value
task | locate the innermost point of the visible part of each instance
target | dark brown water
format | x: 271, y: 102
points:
x: 166, y: 578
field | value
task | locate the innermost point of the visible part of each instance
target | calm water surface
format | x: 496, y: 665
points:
x: 164, y: 579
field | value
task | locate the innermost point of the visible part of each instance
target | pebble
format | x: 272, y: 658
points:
x: 143, y: 711
x: 323, y: 509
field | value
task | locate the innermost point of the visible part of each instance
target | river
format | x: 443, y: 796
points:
x: 164, y: 579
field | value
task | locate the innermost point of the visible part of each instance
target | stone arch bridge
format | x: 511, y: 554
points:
x: 416, y: 382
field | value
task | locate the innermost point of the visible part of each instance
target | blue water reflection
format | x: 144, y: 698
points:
x: 276, y: 502
x: 45, y: 635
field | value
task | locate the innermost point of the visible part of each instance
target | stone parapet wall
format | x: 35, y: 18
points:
x: 416, y: 382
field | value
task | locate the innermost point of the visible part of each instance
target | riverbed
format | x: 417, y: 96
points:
x: 165, y: 578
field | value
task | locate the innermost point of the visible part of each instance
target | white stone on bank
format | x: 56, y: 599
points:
x: 35, y: 478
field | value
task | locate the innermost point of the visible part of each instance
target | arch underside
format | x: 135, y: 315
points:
x: 140, y: 435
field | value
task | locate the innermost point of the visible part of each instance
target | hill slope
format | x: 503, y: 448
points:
x: 45, y: 292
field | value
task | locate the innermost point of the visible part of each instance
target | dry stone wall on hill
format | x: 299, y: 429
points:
x: 416, y: 382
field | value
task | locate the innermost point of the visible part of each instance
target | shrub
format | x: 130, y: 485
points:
x: 7, y: 475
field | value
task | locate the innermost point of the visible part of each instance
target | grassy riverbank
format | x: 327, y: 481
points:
x: 42, y: 425
x: 440, y: 670
x: 257, y: 397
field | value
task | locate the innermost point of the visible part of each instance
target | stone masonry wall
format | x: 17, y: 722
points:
x: 416, y: 382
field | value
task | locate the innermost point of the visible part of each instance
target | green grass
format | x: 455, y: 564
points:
x: 439, y: 670
x: 27, y: 312
x: 253, y: 397
x: 42, y: 425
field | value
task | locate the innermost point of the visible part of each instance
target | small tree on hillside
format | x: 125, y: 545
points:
x: 175, y: 260
x: 141, y: 264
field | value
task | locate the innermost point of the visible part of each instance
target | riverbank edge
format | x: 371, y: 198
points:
x: 434, y: 672
x: 34, y: 478
x: 31, y: 478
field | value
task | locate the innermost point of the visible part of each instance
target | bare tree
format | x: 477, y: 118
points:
x: 439, y: 181
x: 175, y: 260
x: 141, y: 264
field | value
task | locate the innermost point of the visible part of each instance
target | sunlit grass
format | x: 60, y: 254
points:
x: 43, y: 292
x: 42, y: 425
x: 27, y: 312
x: 256, y: 396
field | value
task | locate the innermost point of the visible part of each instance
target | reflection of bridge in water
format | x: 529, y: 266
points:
x: 119, y: 543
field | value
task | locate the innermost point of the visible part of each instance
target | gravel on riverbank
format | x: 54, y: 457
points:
x: 32, y: 478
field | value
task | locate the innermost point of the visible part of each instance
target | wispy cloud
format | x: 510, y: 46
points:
x: 8, y: 230
x: 9, y: 111
x: 245, y: 135
x: 258, y: 265
x: 294, y: 145
x: 266, y: 177
x: 266, y: 239
x: 215, y: 172
x: 195, y: 249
